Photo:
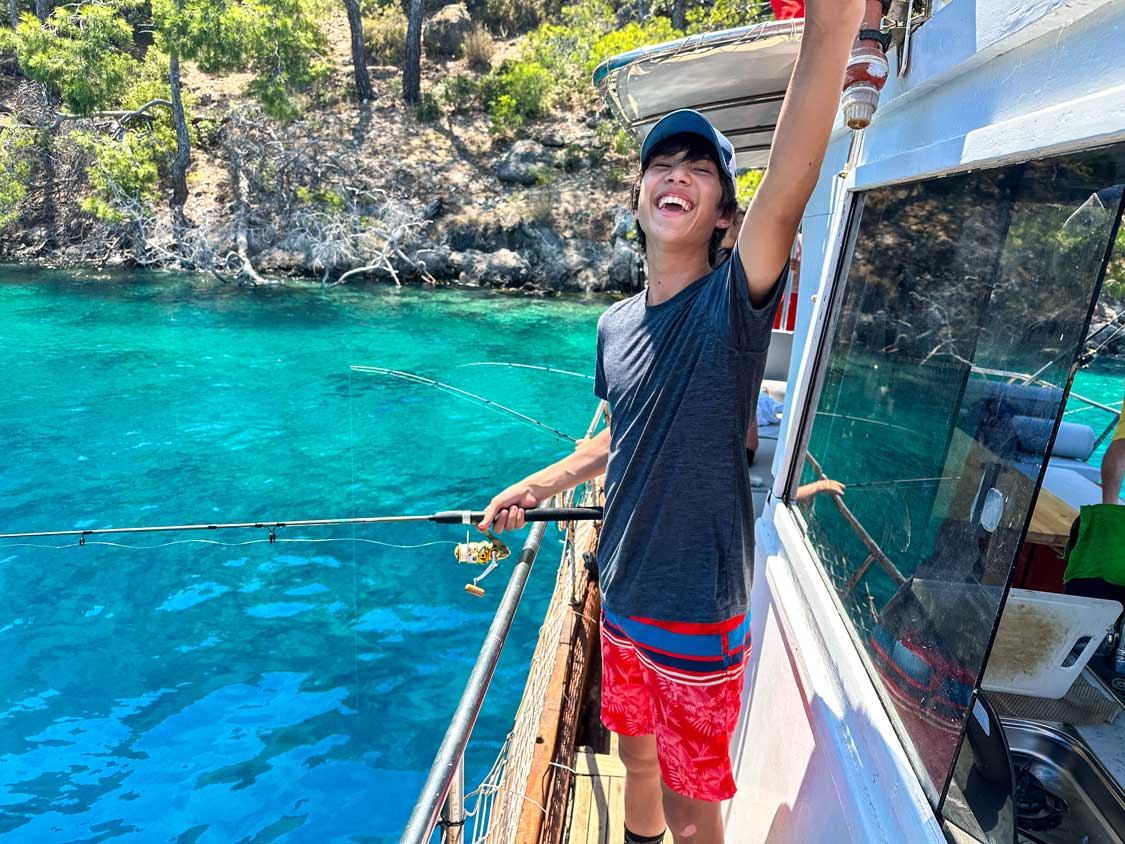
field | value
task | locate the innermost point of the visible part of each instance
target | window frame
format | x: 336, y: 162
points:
x: 813, y: 381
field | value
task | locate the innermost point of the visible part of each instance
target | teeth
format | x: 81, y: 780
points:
x: 678, y: 200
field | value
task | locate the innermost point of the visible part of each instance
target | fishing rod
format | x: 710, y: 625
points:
x: 482, y: 552
x: 445, y: 517
x: 463, y: 394
x: 550, y: 369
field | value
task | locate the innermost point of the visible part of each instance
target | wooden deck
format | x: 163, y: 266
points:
x: 597, y: 804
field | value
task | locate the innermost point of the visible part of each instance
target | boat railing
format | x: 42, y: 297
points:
x: 448, y: 765
x: 442, y: 800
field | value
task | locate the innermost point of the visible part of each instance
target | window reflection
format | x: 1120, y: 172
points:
x: 965, y: 307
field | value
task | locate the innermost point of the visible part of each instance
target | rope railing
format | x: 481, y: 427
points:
x: 498, y: 800
x: 447, y: 763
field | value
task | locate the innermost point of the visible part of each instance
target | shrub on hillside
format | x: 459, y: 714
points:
x: 429, y: 109
x: 124, y: 172
x: 747, y: 186
x: 461, y: 93
x: 384, y: 35
x: 16, y: 159
x: 516, y: 92
x: 588, y: 35
x: 726, y: 14
x: 630, y: 37
x: 512, y: 16
x: 478, y: 48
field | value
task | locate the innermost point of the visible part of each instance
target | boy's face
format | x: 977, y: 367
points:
x: 679, y: 201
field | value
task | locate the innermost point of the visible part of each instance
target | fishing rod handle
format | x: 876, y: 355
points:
x: 538, y: 514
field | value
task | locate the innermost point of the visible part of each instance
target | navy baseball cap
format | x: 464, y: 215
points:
x: 690, y: 121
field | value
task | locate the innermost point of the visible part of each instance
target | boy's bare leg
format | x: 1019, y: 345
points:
x: 692, y: 821
x: 644, y: 812
x: 1113, y: 468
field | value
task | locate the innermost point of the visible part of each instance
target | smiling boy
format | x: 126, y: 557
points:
x: 680, y: 365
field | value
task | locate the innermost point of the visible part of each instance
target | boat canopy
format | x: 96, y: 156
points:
x: 737, y: 77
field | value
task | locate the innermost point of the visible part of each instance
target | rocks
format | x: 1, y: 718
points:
x: 502, y: 268
x: 624, y: 224
x: 524, y: 163
x: 34, y: 236
x: 624, y: 271
x: 564, y: 134
x: 444, y: 33
x: 435, y: 260
x: 278, y: 260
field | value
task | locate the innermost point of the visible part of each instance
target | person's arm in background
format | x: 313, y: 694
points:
x: 799, y: 142
x: 1113, y: 470
x: 804, y: 493
x: 587, y: 461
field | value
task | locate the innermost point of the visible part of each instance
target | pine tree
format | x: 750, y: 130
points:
x: 412, y: 63
x: 182, y: 159
x: 359, y: 54
x: 678, y: 13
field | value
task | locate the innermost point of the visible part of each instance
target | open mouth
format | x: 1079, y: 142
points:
x: 673, y: 204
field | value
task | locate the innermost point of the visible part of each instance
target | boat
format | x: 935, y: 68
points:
x: 918, y: 675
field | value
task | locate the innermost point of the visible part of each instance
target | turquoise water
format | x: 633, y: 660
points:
x: 1104, y: 382
x: 255, y: 692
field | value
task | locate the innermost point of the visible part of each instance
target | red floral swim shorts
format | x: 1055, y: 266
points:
x: 682, y: 683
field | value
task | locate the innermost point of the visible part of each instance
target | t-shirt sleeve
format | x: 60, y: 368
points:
x: 600, y: 389
x: 750, y: 327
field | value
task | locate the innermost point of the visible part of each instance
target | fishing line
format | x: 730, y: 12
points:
x: 464, y: 394
x: 875, y: 484
x: 219, y: 542
x: 527, y: 366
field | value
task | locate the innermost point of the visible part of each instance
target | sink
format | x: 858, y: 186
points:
x: 1065, y: 766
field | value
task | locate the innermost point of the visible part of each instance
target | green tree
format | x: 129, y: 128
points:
x: 747, y: 186
x: 726, y: 14
x: 79, y: 53
x: 279, y: 39
x: 15, y: 170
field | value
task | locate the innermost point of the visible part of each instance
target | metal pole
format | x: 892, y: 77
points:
x: 453, y: 810
x: 452, y: 750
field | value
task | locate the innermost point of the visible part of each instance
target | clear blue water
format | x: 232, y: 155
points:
x: 1104, y: 382
x: 291, y: 692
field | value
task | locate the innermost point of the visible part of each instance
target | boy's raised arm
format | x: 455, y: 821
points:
x: 799, y: 142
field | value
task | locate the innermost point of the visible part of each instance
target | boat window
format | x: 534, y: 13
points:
x: 951, y: 347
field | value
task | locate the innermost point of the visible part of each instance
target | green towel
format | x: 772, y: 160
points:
x: 1097, y: 544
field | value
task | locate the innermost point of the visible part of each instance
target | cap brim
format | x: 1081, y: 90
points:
x: 687, y: 121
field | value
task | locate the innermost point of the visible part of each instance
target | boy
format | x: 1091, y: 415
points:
x: 681, y: 366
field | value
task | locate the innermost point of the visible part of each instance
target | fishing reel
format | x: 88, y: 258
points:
x: 481, y: 552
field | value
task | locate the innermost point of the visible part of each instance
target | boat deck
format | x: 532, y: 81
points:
x: 597, y: 803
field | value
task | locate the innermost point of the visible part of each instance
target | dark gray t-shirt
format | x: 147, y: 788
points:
x: 682, y: 380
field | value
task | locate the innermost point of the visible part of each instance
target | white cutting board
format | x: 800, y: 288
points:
x: 1038, y: 631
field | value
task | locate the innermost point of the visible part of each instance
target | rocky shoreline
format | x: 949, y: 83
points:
x: 371, y: 192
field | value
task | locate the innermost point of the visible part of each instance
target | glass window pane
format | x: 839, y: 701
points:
x: 963, y: 312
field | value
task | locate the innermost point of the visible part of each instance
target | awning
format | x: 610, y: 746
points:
x: 736, y: 77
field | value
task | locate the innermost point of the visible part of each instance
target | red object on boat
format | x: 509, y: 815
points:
x: 867, y: 71
x: 785, y: 9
